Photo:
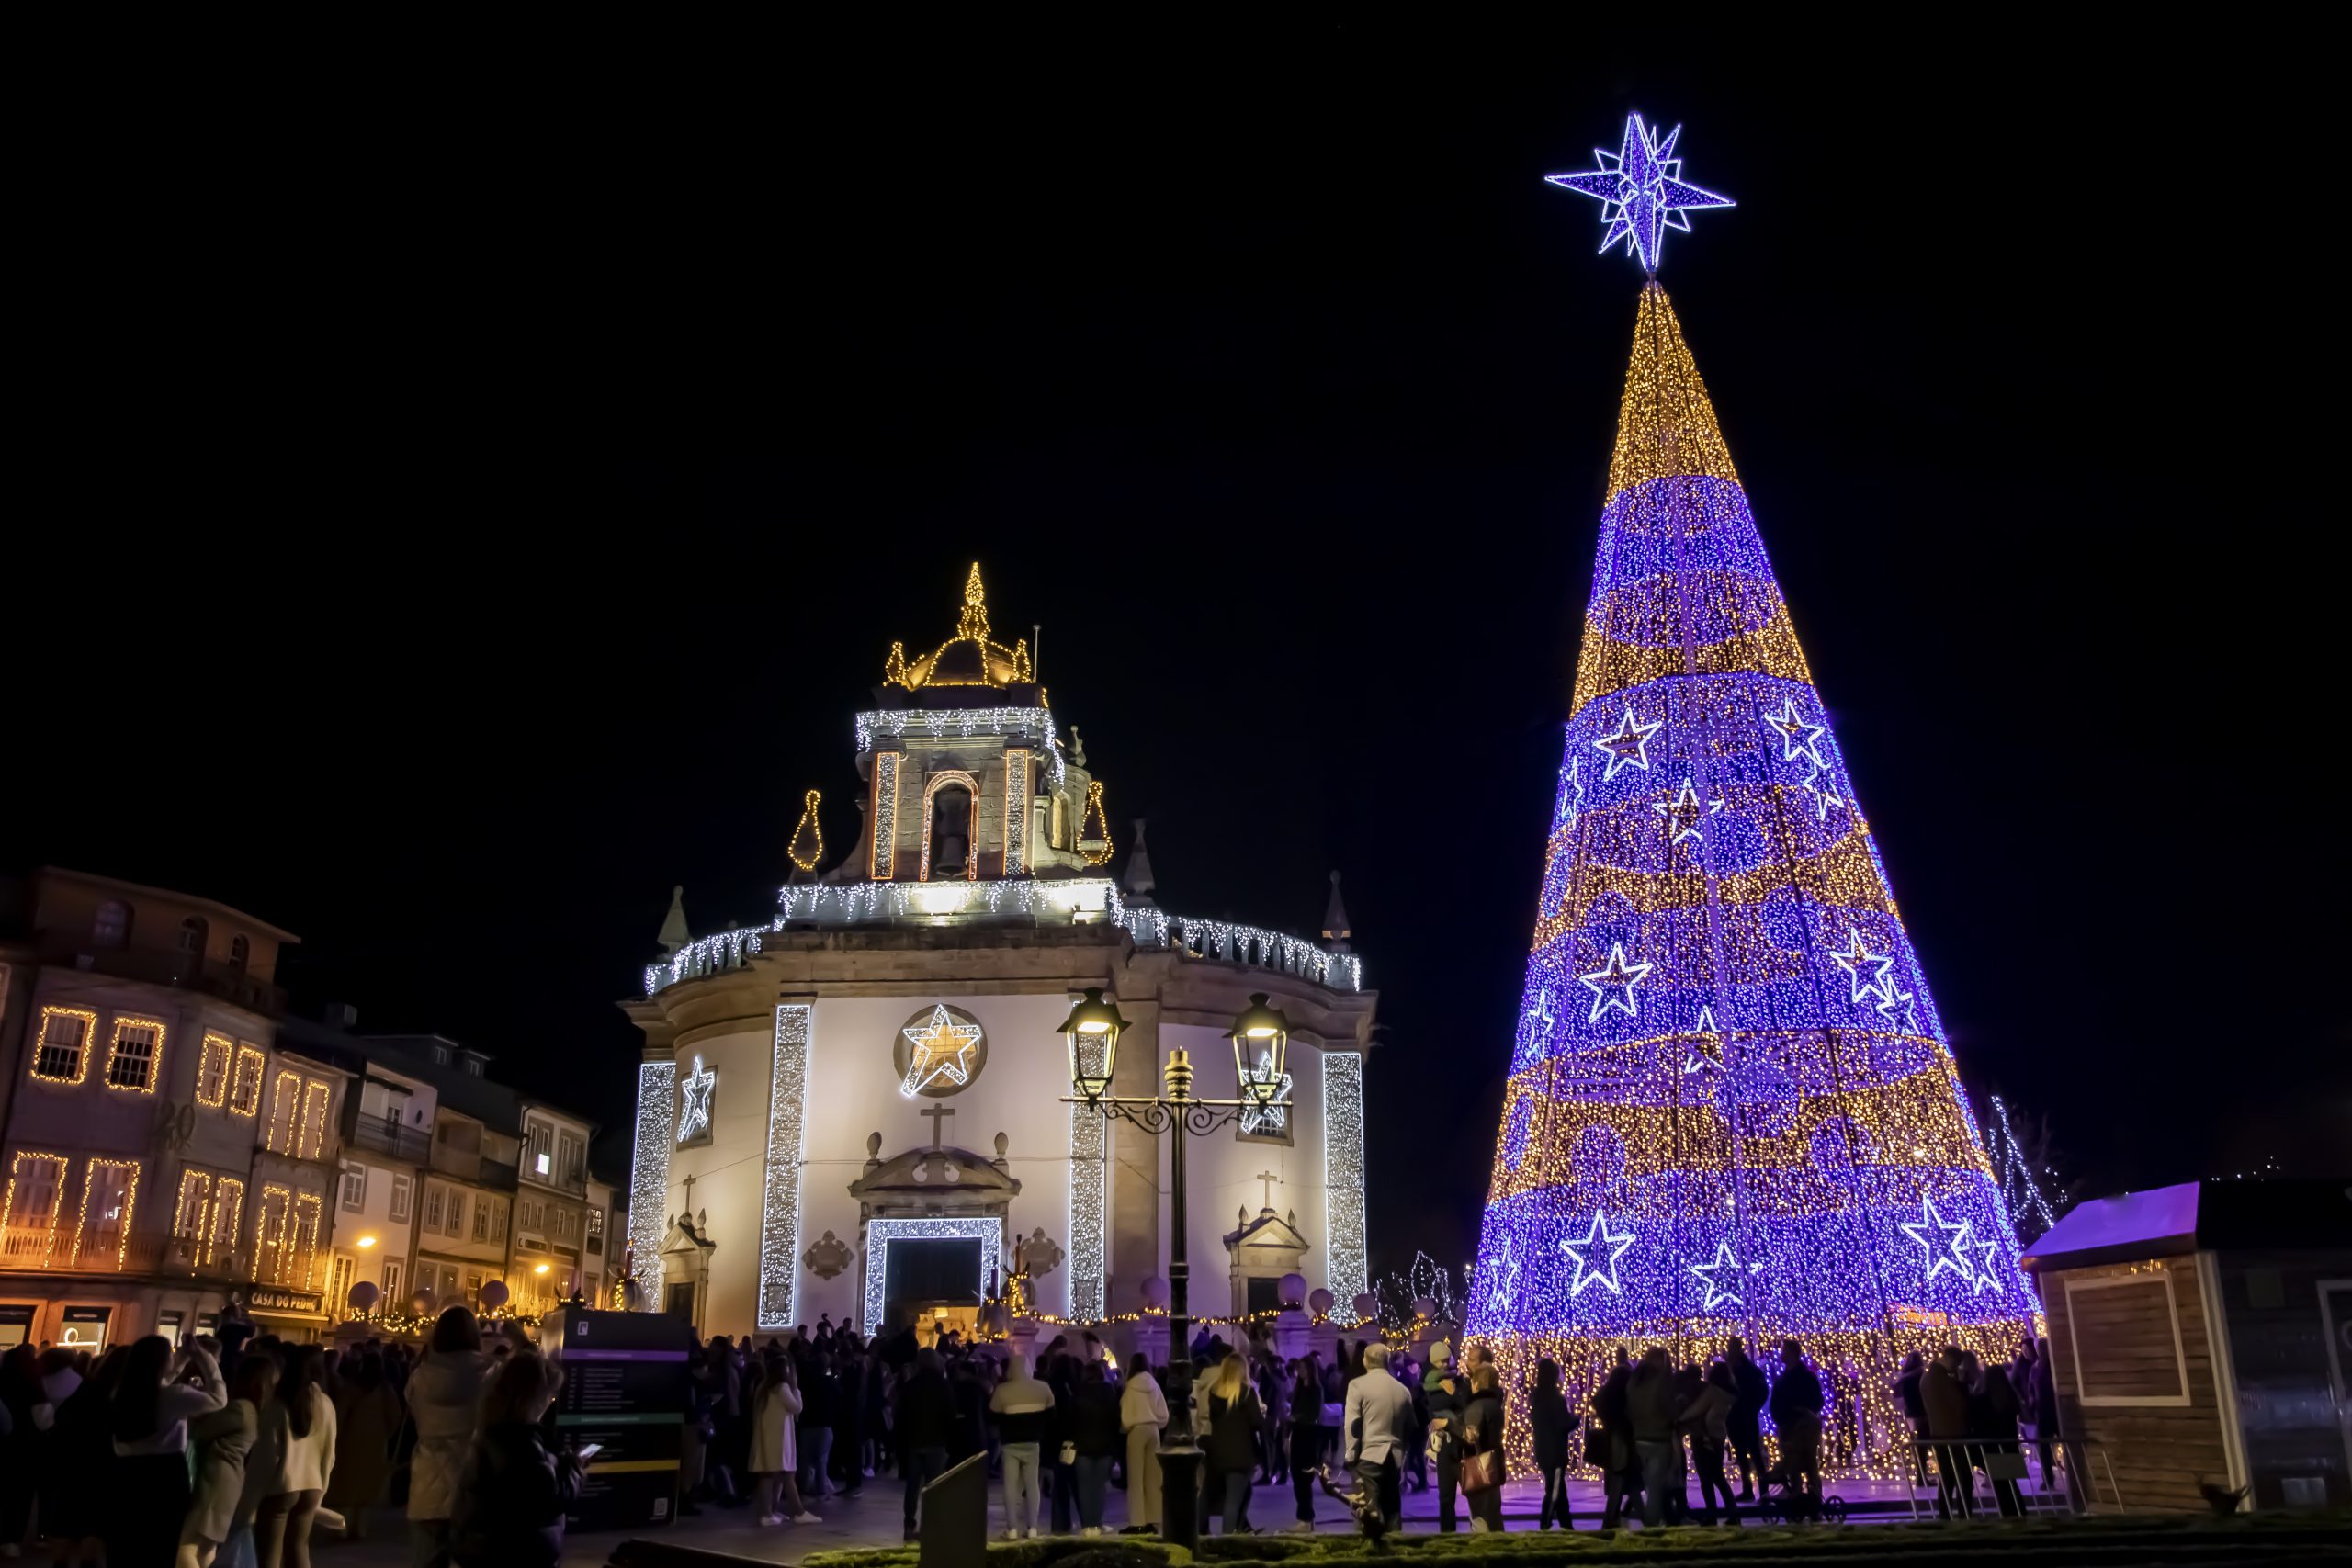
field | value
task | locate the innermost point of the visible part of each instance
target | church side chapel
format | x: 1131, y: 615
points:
x: 856, y: 1108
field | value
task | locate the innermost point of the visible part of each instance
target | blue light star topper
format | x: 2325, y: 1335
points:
x: 1640, y: 191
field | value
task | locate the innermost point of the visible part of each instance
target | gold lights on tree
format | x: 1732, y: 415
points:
x: 808, y: 839
x: 894, y: 669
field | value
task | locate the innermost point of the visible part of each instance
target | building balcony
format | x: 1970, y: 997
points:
x: 226, y: 981
x: 409, y: 1145
x: 573, y: 1184
x: 159, y: 1256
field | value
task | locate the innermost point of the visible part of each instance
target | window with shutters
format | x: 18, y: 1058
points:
x: 136, y: 1055
x: 212, y: 1071
x: 62, y: 1048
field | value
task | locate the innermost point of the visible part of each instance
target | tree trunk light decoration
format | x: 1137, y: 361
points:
x: 807, y: 846
x: 1732, y: 1108
x: 780, y: 1201
x: 1349, y: 1272
x: 649, y: 1175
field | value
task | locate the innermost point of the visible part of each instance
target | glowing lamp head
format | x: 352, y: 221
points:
x: 366, y: 1241
x: 1260, y: 1039
x: 540, y: 1269
x: 1093, y: 1031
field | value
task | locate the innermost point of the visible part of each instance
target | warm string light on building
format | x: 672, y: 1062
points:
x: 212, y: 1071
x: 780, y: 1200
x: 807, y: 845
x: 1731, y: 1108
x: 228, y: 1213
x: 1095, y: 827
x: 126, y: 1171
x: 54, y: 1058
x: 245, y: 1092
x: 24, y: 1168
x: 135, y: 1053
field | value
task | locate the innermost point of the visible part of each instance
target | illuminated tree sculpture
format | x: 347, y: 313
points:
x: 1731, y: 1107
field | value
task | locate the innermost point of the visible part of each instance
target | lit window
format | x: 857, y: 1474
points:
x: 212, y: 1071
x: 273, y: 1219
x: 194, y: 1207
x: 314, y: 1118
x: 244, y: 1090
x: 109, y: 1192
x: 498, y: 1222
x: 28, y: 1216
x: 595, y: 1221
x: 136, y: 1055
x: 303, y: 1271
x: 433, y: 1200
x: 110, y: 929
x: 285, y: 1106
x: 61, y: 1050
x: 228, y: 1215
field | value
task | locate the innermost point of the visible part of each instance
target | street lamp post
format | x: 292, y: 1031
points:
x: 1092, y: 1030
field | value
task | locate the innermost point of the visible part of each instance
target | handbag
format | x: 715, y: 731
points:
x: 1482, y: 1471
x: 1596, y: 1444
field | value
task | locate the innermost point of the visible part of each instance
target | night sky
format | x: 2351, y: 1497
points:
x: 1268, y: 376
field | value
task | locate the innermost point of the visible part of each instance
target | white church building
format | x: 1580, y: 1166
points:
x: 855, y: 1109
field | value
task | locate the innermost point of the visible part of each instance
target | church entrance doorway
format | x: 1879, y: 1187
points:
x: 934, y: 1270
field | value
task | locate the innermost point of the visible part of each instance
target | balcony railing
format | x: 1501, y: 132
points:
x: 25, y: 1246
x: 211, y: 977
x: 407, y: 1145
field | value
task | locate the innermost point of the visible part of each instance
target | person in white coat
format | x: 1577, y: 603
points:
x: 1143, y: 1414
x: 300, y: 1426
x: 775, y: 1459
x: 444, y: 1405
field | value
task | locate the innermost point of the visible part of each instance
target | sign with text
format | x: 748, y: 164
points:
x: 624, y: 1390
x: 269, y: 1298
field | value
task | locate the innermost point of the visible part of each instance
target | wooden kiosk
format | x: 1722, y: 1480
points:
x: 2202, y: 1338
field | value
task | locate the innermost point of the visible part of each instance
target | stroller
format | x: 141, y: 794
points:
x: 1779, y: 1495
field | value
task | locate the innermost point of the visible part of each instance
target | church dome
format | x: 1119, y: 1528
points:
x: 967, y: 659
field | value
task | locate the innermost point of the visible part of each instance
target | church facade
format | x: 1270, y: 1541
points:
x: 856, y: 1110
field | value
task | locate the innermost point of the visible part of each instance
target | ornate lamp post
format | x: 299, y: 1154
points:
x: 1092, y: 1030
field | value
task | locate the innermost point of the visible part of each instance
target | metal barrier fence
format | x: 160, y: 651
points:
x: 1971, y: 1478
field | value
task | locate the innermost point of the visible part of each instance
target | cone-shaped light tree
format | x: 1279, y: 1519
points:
x: 1732, y: 1110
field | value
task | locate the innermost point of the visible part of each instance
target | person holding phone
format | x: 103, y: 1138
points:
x: 512, y: 1503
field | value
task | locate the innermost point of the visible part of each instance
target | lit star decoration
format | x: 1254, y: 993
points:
x: 1604, y: 1271
x: 1629, y: 747
x: 1507, y: 1274
x: 1799, y: 739
x: 1641, y: 192
x: 1272, y: 1117
x: 1759, y: 1096
x: 943, y: 1049
x: 1935, y: 1255
x: 1612, y: 985
x: 1879, y: 983
x: 1717, y: 1290
x: 1683, y: 813
x: 693, y: 1093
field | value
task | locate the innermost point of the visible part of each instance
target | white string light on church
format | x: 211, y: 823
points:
x: 649, y: 1175
x: 1349, y: 1273
x: 1089, y: 1144
x: 780, y: 1201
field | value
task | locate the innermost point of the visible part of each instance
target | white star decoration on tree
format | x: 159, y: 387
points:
x: 1717, y: 1291
x: 1824, y: 803
x: 1955, y: 1254
x: 1641, y: 191
x: 1612, y: 985
x: 1798, y: 739
x: 1706, y: 1050
x: 1903, y: 1002
x: 1987, y: 1276
x: 1587, y: 1272
x: 1506, y: 1275
x: 694, y: 1093
x: 1629, y: 747
x: 1879, y: 983
x: 1571, y: 792
x: 943, y: 1049
x: 1683, y: 813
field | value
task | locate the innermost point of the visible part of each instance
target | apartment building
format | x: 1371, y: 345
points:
x: 163, y: 1149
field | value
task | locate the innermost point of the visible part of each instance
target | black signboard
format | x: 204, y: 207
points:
x: 269, y: 1298
x: 624, y: 1390
x: 15, y: 1326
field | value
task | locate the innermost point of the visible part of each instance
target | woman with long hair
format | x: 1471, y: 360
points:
x: 444, y: 1393
x: 1308, y: 1436
x: 1482, y: 1434
x: 1234, y: 1416
x: 366, y: 1413
x: 147, y: 1418
x: 1555, y: 1424
x: 220, y: 1519
x: 511, y: 1506
x: 775, y: 1395
x: 300, y: 1424
x: 1143, y: 1411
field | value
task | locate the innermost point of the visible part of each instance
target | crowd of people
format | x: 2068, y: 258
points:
x: 241, y: 1451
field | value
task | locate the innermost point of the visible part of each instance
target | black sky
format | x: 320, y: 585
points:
x: 464, y: 507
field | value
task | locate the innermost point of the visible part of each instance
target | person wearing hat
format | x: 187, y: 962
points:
x: 1443, y: 1390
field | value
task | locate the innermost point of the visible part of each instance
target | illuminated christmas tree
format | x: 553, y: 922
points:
x: 1731, y: 1107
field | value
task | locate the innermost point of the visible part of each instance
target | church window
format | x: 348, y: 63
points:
x: 951, y: 827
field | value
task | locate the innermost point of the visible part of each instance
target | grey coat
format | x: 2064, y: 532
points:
x: 223, y: 1440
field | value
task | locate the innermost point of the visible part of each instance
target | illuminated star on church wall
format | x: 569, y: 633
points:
x: 943, y: 1049
x: 694, y: 1093
x: 1641, y: 191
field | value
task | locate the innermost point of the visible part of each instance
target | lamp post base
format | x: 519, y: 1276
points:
x: 1180, y: 1495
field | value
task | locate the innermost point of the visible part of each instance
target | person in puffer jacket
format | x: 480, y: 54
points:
x: 444, y: 1399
